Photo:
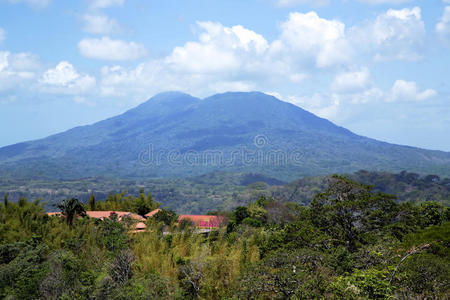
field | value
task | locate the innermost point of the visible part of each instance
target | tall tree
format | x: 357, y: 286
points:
x: 70, y: 209
x: 92, y: 202
x: 348, y: 209
x: 144, y: 203
x: 5, y: 200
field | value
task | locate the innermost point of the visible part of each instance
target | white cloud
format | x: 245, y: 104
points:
x: 227, y: 86
x: 2, y: 34
x: 100, y: 24
x: 3, y: 60
x: 351, y: 81
x: 409, y: 91
x: 95, y: 4
x: 396, y: 34
x: 33, y: 3
x: 321, y: 104
x: 16, y: 70
x: 25, y: 62
x: 219, y: 49
x: 64, y: 79
x: 443, y: 27
x: 307, y: 36
x: 108, y: 49
x: 223, y: 58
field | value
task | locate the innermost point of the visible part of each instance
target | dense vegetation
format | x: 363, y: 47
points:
x: 225, y: 191
x: 351, y: 242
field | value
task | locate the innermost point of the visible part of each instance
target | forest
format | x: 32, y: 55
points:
x: 224, y: 190
x: 350, y: 242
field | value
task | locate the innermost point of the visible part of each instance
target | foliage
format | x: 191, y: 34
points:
x: 70, y: 209
x: 353, y: 242
x: 218, y: 191
x: 168, y: 217
x: 142, y: 204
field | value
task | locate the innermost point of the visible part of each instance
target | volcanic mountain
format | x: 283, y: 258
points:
x: 174, y: 134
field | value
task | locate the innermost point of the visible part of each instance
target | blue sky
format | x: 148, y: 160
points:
x: 380, y: 68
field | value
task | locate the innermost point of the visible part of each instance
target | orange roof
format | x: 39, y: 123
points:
x: 109, y: 213
x: 203, y: 221
x: 153, y: 212
x: 106, y: 214
x: 140, y: 225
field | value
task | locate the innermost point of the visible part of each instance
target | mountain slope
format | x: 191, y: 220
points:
x: 175, y: 134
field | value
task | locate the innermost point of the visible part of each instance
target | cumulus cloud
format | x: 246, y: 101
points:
x: 237, y: 58
x: 219, y: 49
x: 307, y: 36
x: 443, y: 27
x: 223, y: 58
x: 100, y: 24
x: 343, y: 105
x: 396, y: 34
x: 2, y: 34
x: 65, y: 79
x: 155, y: 76
x: 108, y: 49
x: 409, y: 91
x: 98, y: 4
x: 351, y: 81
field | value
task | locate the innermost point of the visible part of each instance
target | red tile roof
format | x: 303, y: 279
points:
x: 153, y: 212
x: 203, y: 221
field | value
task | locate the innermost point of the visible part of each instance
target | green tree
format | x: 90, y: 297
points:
x: 167, y: 216
x: 431, y: 213
x: 5, y: 200
x: 113, y: 234
x: 144, y: 203
x: 92, y: 200
x: 70, y: 209
x: 348, y: 209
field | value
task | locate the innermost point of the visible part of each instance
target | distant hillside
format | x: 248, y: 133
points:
x: 177, y: 135
x: 224, y: 191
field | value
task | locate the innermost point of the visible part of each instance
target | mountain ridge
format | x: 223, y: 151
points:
x: 230, y: 124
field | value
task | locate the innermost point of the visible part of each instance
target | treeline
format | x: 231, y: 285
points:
x: 141, y: 204
x: 351, y: 242
x: 225, y: 191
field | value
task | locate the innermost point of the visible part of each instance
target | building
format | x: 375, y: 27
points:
x: 203, y: 221
x: 101, y: 215
x: 152, y: 213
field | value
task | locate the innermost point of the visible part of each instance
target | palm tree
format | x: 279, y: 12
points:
x: 70, y: 209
